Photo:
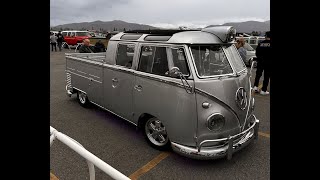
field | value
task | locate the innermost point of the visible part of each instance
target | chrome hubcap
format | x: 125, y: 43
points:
x: 156, y: 132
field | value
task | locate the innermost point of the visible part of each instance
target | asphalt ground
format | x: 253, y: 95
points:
x: 117, y: 142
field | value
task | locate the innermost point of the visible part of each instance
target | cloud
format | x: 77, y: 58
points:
x: 169, y: 13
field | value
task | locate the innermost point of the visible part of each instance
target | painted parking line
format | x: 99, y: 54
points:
x: 53, y: 177
x: 264, y: 134
x: 151, y: 164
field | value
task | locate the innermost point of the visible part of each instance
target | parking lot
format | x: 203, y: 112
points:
x: 117, y: 142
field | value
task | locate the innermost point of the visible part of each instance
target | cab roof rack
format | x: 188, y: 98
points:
x: 164, y: 32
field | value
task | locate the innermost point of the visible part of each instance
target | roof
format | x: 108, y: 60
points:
x: 212, y: 35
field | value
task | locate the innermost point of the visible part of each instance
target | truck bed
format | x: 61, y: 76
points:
x: 84, y: 72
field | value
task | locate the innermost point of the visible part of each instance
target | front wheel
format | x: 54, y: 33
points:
x: 156, y: 134
x: 82, y: 99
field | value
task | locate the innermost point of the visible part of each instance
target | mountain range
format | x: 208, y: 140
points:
x: 105, y: 25
x: 244, y: 27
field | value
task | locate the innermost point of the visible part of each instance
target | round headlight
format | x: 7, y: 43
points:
x: 215, y: 122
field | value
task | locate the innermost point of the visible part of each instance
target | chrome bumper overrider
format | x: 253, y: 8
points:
x: 69, y: 91
x: 214, y: 152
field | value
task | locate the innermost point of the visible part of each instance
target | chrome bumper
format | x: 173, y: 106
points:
x: 215, y: 153
x: 69, y: 91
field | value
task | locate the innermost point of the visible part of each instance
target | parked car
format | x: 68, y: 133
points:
x: 75, y: 37
x: 185, y: 89
x: 254, y: 40
x: 251, y: 54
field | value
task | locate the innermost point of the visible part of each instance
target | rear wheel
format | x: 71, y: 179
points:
x: 82, y: 99
x: 156, y: 134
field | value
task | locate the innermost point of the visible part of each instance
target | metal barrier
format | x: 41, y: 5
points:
x: 92, y: 160
x: 78, y: 46
x: 65, y: 44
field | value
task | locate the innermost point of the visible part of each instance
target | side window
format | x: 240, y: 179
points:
x: 160, y: 62
x: 64, y: 34
x: 125, y: 54
x: 179, y: 60
x: 153, y: 60
x: 146, y: 58
x: 71, y: 34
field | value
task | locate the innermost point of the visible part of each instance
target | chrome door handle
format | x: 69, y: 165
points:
x: 138, y: 87
x: 114, y: 80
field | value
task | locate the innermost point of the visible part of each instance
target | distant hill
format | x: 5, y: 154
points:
x: 248, y: 26
x: 107, y: 25
x: 243, y: 27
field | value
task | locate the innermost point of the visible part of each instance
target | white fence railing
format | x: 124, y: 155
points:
x: 92, y: 160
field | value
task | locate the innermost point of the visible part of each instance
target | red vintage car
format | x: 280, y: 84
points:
x: 74, y: 37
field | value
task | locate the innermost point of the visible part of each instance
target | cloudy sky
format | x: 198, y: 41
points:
x: 160, y: 13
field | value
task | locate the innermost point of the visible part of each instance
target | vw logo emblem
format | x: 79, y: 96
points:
x: 241, y: 98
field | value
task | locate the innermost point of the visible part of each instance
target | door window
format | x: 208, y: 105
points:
x: 158, y: 60
x: 125, y: 54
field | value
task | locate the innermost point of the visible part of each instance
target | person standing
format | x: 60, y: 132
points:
x: 60, y: 40
x: 53, y: 42
x: 263, y: 53
x: 241, y: 49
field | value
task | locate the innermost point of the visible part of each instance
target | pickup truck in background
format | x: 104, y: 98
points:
x: 75, y: 37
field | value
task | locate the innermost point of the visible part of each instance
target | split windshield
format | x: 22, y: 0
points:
x: 212, y: 60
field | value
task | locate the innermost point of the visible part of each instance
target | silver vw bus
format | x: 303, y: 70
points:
x: 185, y: 89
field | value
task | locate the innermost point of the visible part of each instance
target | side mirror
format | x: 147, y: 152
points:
x: 174, y: 72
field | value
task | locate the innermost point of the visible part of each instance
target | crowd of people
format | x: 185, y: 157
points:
x: 56, y: 40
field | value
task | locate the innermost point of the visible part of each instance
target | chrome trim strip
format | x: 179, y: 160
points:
x: 119, y: 68
x: 71, y: 68
x: 98, y: 63
x: 94, y: 76
x: 81, y: 72
x: 83, y: 76
x: 161, y: 80
x: 79, y: 90
x: 197, y: 90
x: 113, y: 113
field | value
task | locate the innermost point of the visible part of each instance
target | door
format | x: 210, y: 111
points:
x: 164, y: 97
x: 118, y: 82
x: 95, y: 82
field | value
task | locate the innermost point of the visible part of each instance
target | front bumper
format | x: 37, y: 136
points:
x: 69, y: 91
x: 227, y: 150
